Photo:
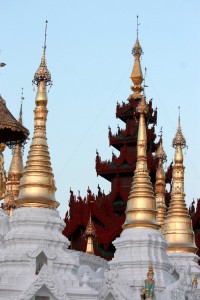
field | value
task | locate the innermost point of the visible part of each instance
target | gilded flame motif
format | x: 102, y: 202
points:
x: 160, y: 184
x: 37, y: 186
x: 90, y: 233
x: 178, y: 230
x: 141, y: 206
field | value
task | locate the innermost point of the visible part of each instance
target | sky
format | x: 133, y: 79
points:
x: 89, y: 47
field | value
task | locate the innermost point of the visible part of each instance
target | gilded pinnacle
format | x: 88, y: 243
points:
x: 160, y: 153
x: 141, y: 206
x: 37, y: 186
x: 15, y: 173
x: 136, y: 75
x: 90, y: 229
x: 160, y: 184
x: 90, y: 233
x: 178, y: 230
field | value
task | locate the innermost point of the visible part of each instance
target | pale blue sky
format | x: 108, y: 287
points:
x: 89, y: 55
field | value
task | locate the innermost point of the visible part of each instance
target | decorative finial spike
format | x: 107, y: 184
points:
x: 45, y: 37
x: 145, y: 73
x: 42, y: 73
x: 20, y: 112
x: 137, y: 26
x: 179, y: 115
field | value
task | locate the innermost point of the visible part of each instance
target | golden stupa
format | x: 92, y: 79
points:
x: 37, y: 186
x: 178, y: 230
x: 141, y: 206
x: 160, y: 184
x: 14, y: 174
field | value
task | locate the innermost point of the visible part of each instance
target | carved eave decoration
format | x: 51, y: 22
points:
x: 95, y: 262
x: 11, y: 131
x: 113, y: 285
x: 44, y: 278
x: 42, y: 247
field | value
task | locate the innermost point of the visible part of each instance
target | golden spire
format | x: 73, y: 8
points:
x: 15, y: 173
x: 90, y: 234
x: 136, y: 75
x: 141, y: 205
x: 178, y: 230
x: 160, y: 183
x: 37, y: 186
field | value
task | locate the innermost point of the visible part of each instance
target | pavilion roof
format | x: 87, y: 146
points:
x: 11, y: 131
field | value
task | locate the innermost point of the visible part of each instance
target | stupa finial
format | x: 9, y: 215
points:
x: 136, y: 75
x: 42, y: 73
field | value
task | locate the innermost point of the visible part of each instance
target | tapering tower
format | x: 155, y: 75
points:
x: 15, y: 173
x: 160, y: 184
x: 141, y: 241
x: 178, y: 228
x: 37, y: 187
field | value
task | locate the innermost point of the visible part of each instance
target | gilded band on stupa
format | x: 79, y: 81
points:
x: 178, y: 230
x: 37, y: 186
